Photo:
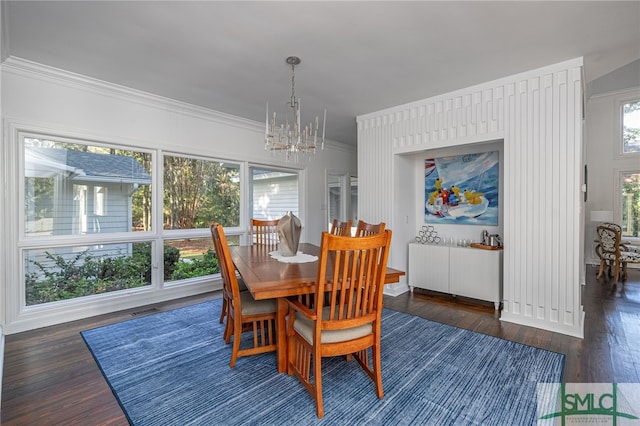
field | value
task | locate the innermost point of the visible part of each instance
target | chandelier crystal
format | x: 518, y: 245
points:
x: 289, y: 138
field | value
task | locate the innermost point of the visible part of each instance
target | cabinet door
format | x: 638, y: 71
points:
x: 429, y: 267
x: 476, y: 273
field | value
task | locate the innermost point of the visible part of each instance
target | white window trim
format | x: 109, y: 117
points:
x: 345, y: 191
x: 618, y: 102
x: 248, y: 190
x: 617, y: 196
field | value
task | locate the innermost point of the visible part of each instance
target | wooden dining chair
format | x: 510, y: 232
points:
x: 364, y: 229
x: 341, y: 228
x: 264, y: 232
x: 226, y: 297
x: 244, y: 313
x: 351, y: 274
x: 613, y: 252
x: 624, y: 246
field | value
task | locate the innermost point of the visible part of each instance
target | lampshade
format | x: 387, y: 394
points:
x: 601, y: 216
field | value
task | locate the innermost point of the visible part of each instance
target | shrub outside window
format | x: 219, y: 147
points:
x: 54, y: 274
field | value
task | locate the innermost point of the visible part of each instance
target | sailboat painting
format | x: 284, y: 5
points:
x: 462, y: 189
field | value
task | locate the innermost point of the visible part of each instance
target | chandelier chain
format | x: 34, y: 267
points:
x: 294, y: 101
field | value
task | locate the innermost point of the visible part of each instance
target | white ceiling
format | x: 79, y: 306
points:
x: 357, y: 57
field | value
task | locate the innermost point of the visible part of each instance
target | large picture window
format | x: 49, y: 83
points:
x: 76, y: 196
x: 196, y: 192
x: 631, y: 127
x: 89, y: 225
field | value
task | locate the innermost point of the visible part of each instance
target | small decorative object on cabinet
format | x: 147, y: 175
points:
x: 461, y: 271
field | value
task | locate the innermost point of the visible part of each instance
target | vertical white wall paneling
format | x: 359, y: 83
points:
x: 538, y: 194
x: 538, y: 114
x: 512, y: 229
x: 575, y: 198
x: 546, y: 292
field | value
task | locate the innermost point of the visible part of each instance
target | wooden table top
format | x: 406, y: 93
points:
x: 267, y: 278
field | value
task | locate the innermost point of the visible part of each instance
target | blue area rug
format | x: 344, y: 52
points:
x: 172, y: 368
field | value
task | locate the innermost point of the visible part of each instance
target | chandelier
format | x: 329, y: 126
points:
x: 289, y: 138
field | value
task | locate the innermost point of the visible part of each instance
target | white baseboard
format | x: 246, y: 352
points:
x: 395, y: 289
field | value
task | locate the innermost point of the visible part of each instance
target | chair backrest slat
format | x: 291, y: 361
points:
x: 264, y: 232
x: 341, y: 228
x: 365, y: 229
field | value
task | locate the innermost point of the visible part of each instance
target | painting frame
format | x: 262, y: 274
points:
x: 462, y: 189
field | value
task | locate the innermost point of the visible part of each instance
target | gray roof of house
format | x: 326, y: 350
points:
x: 98, y: 167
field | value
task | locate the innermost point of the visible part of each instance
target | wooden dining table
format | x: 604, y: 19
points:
x: 268, y: 278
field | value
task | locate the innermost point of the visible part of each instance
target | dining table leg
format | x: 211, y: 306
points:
x: 281, y: 352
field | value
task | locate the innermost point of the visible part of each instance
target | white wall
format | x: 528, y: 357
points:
x: 40, y: 98
x: 3, y: 269
x: 538, y: 115
x: 603, y: 159
x: 621, y: 79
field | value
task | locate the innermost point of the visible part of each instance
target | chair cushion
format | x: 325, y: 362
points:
x: 629, y: 256
x: 625, y: 257
x: 251, y: 306
x: 304, y: 326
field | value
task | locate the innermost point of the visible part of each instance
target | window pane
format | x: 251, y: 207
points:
x: 631, y: 127
x: 354, y: 200
x: 335, y: 199
x: 274, y: 193
x: 199, y: 191
x: 72, y: 189
x: 192, y: 257
x: 630, y: 204
x: 68, y: 272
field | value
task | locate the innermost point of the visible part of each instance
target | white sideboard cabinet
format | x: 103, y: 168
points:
x: 460, y: 271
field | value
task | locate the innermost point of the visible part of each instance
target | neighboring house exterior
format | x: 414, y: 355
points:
x: 91, y: 192
x: 274, y: 194
x: 75, y: 192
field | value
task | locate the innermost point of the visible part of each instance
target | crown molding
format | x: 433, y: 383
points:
x: 629, y: 91
x: 30, y: 69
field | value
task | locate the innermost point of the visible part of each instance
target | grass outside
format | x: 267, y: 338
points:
x: 191, y: 247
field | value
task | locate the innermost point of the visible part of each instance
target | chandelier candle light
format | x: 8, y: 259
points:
x: 292, y: 139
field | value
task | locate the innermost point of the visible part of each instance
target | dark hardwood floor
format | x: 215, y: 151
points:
x: 50, y: 377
